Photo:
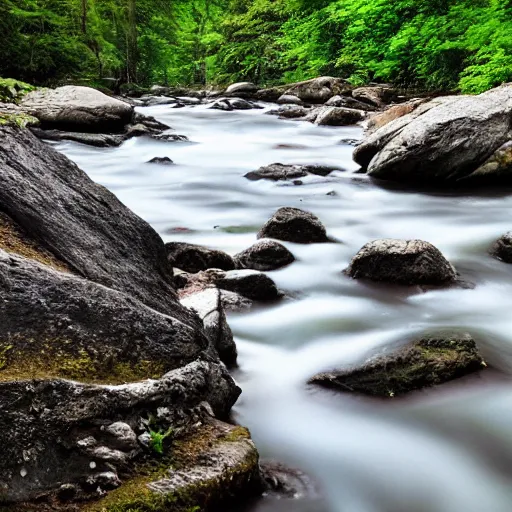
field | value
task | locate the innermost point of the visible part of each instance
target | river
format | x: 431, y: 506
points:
x: 441, y: 450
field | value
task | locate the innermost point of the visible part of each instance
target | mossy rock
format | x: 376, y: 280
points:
x: 19, y: 119
x: 12, y: 90
x: 426, y: 362
x: 217, y: 466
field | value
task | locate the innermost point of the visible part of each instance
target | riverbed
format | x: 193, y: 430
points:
x: 441, y: 450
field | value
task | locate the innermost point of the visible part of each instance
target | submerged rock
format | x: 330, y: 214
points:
x: 264, y: 255
x: 164, y: 160
x: 406, y: 262
x: 76, y: 108
x: 294, y: 225
x: 427, y: 362
x: 194, y: 258
x: 502, y: 248
x: 277, y: 172
x: 446, y: 141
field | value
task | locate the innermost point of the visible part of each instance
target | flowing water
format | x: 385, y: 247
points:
x: 443, y: 450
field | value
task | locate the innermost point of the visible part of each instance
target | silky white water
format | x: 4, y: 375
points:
x: 443, y: 450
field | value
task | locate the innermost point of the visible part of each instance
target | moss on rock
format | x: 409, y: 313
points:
x: 12, y: 90
x: 426, y: 362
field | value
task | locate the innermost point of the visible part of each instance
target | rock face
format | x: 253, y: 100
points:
x: 82, y: 223
x: 294, y: 225
x: 194, y: 258
x: 502, y: 248
x: 55, y: 323
x: 318, y: 90
x: 264, y: 255
x: 75, y: 108
x: 75, y: 438
x: 427, y: 362
x: 406, y: 262
x: 446, y: 140
x: 338, y: 116
x: 208, y: 305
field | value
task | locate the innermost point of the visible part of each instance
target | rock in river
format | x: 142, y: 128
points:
x: 194, y: 258
x: 406, y: 262
x: 264, y: 255
x: 294, y: 225
x: 451, y: 140
x: 502, y: 248
x: 338, y: 116
x: 429, y: 361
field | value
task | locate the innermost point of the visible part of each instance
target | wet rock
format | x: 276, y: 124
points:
x: 99, y: 140
x: 229, y: 104
x: 338, y: 116
x: 170, y: 137
x: 497, y: 167
x: 378, y: 96
x: 164, y: 160
x: 406, y: 262
x: 288, y: 99
x: 272, y: 94
x: 321, y: 170
x: 502, y: 248
x: 290, y: 112
x: 54, y: 323
x: 194, y: 258
x: 76, y: 108
x: 429, y: 361
x: 444, y: 141
x: 234, y: 302
x: 82, y: 223
x: 277, y: 172
x: 242, y: 89
x: 151, y: 101
x: 294, y: 225
x: 318, y: 90
x: 208, y: 305
x: 249, y: 283
x: 264, y: 255
x: 348, y: 102
x: 42, y: 423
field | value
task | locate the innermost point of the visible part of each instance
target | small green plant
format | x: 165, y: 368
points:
x: 156, y: 443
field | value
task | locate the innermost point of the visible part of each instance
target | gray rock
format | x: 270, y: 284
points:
x: 502, y: 248
x: 42, y: 422
x: 348, y: 102
x: 229, y: 104
x: 288, y: 99
x: 318, y: 90
x: 264, y: 255
x: 272, y: 94
x: 194, y: 258
x: 290, y: 112
x: 123, y: 436
x: 242, y: 88
x: 234, y: 302
x: 54, y: 323
x: 277, y: 172
x: 164, y: 160
x: 431, y: 360
x: 249, y: 283
x: 208, y: 305
x: 82, y: 223
x: 338, y: 116
x: 378, y: 96
x: 443, y: 141
x: 76, y: 108
x: 406, y: 262
x: 151, y: 101
x: 294, y: 225
x: 170, y: 137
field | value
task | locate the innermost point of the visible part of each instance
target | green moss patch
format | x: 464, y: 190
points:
x: 11, y: 90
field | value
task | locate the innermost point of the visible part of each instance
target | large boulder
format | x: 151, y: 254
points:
x: 82, y: 223
x: 406, y: 262
x: 339, y: 116
x: 294, y: 225
x: 76, y: 108
x: 55, y: 323
x: 76, y: 441
x: 447, y: 140
x: 431, y: 360
x: 318, y: 90
x: 194, y: 258
x: 264, y: 255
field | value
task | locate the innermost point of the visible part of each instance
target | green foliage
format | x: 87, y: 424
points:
x: 157, y: 439
x: 428, y: 44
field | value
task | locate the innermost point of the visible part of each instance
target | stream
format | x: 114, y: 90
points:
x: 440, y: 450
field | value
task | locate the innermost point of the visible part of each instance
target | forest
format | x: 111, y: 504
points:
x: 461, y: 45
